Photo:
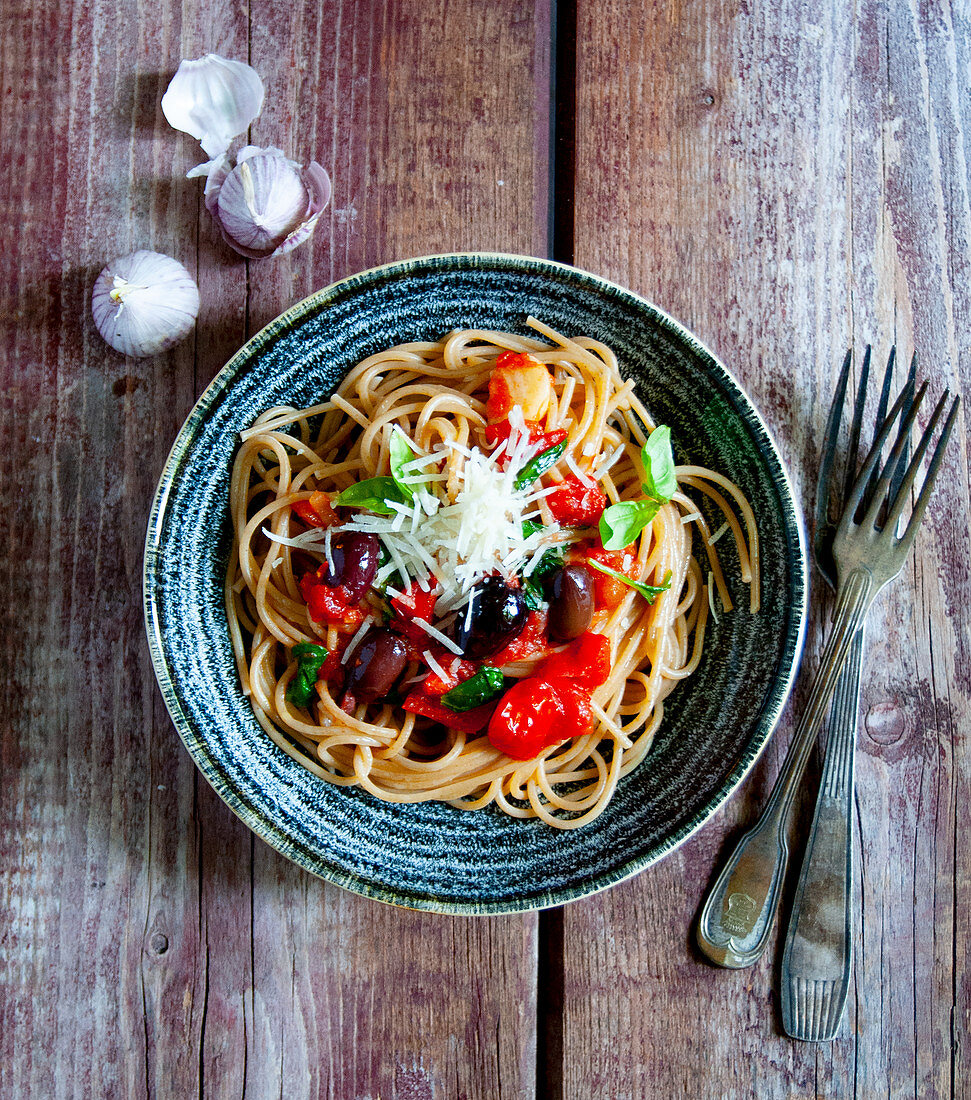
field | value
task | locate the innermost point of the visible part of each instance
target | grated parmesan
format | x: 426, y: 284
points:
x: 711, y: 595
x: 718, y: 534
x: 437, y: 635
x: 440, y: 672
x: 583, y: 478
x: 451, y: 542
x: 356, y: 640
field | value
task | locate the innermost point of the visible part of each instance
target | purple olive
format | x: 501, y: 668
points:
x: 375, y: 665
x: 499, y: 614
x: 356, y: 557
x: 571, y: 602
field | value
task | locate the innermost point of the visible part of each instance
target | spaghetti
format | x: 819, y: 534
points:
x: 483, y: 466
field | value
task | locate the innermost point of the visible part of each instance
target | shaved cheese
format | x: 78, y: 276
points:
x: 690, y: 517
x: 718, y: 534
x: 711, y: 595
x: 452, y: 541
x: 328, y: 551
x: 583, y: 478
x: 355, y: 641
x: 437, y: 635
x: 605, y: 463
x: 435, y: 666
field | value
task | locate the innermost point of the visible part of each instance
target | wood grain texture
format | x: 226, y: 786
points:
x: 783, y: 179
x: 150, y: 945
x: 787, y: 180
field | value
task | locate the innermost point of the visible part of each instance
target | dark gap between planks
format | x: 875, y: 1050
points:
x: 562, y: 181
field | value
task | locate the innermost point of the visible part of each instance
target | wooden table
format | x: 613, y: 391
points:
x: 785, y: 180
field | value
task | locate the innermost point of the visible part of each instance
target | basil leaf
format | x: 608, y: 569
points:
x: 374, y: 494
x: 538, y: 466
x: 402, y: 455
x: 661, y: 484
x: 532, y: 594
x: 547, y: 564
x: 649, y: 591
x: 310, y: 658
x: 621, y: 523
x: 550, y: 561
x: 484, y: 686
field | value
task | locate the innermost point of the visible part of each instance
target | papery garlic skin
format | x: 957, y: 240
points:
x: 266, y: 205
x: 214, y: 99
x: 144, y: 303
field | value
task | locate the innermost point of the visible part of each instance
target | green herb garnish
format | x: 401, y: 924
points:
x: 660, y: 482
x: 481, y: 688
x: 532, y: 594
x: 621, y: 523
x: 650, y: 592
x: 310, y: 659
x: 402, y: 457
x: 538, y: 466
x: 375, y: 494
x: 552, y: 559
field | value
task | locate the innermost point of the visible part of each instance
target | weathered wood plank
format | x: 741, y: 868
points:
x: 403, y: 105
x: 153, y: 947
x: 784, y: 181
x: 85, y: 432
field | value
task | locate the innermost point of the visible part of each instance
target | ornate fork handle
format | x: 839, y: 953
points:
x: 818, y: 955
x: 737, y: 917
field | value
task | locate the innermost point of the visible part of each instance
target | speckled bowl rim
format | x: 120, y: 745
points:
x: 276, y: 835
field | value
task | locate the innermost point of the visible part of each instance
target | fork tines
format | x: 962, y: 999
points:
x: 880, y: 492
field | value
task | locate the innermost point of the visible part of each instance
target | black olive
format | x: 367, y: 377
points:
x: 571, y: 602
x: 355, y: 557
x: 499, y: 614
x: 375, y: 665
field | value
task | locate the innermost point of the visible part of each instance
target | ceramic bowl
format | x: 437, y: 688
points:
x: 433, y: 856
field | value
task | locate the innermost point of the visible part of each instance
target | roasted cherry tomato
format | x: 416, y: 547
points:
x: 536, y: 714
x: 317, y: 511
x: 430, y: 706
x: 577, y: 505
x: 586, y: 660
x: 329, y: 605
x: 515, y: 360
x: 531, y: 642
x: 433, y: 684
x: 414, y: 603
x: 541, y: 440
x: 609, y: 591
x: 518, y: 379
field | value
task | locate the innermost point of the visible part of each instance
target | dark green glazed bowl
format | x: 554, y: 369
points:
x: 433, y: 856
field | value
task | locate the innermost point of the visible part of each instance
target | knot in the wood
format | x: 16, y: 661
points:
x: 160, y: 943
x: 885, y: 723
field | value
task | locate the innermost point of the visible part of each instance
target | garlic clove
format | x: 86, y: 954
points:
x: 144, y: 303
x: 251, y: 150
x: 214, y: 99
x: 266, y: 204
x: 319, y: 188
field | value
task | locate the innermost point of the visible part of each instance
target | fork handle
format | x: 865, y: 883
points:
x: 736, y: 919
x: 818, y: 954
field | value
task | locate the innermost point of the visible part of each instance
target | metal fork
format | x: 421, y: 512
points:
x: 737, y: 917
x: 818, y: 955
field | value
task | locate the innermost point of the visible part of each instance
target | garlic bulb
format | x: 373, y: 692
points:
x: 144, y: 303
x: 213, y: 99
x: 266, y: 204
